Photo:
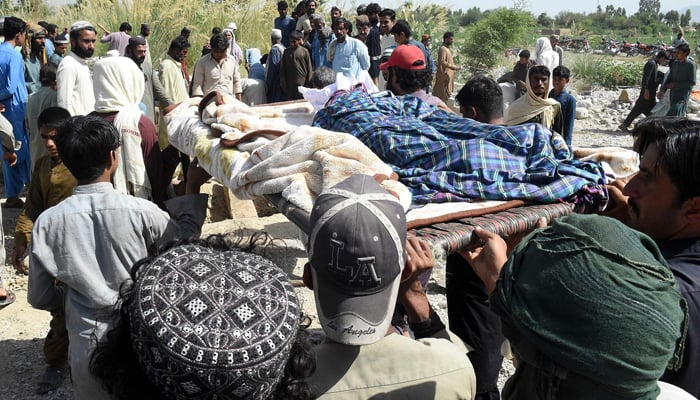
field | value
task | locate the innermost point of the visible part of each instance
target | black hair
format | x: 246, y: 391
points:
x: 683, y: 47
x: 334, y: 8
x: 75, y: 34
x: 678, y: 141
x: 53, y: 117
x: 411, y: 80
x: 179, y: 43
x: 524, y: 53
x: 361, y: 9
x: 47, y: 74
x: 483, y: 93
x: 562, y: 71
x: 388, y: 12
x: 282, y: 4
x: 539, y: 69
x: 447, y: 35
x: 215, y: 30
x: 341, y: 20
x: 322, y: 77
x: 373, y: 8
x: 185, y: 31
x: 402, y: 26
x: 218, y: 42
x: 306, y: 2
x: 51, y: 28
x: 661, y: 54
x: 116, y: 365
x: 85, y: 144
x: 295, y: 35
x: 125, y: 27
x: 13, y: 26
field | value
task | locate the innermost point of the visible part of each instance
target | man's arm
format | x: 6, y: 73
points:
x: 159, y: 92
x: 33, y: 206
x: 197, y: 80
x: 42, y: 292
x: 237, y: 89
x: 65, y: 80
x: 363, y: 56
x: 106, y: 37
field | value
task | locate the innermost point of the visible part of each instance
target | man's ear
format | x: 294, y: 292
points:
x: 692, y: 209
x: 307, y: 277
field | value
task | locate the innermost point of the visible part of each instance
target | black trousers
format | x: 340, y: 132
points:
x: 641, y: 106
x: 473, y: 321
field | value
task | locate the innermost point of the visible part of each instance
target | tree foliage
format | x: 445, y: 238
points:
x: 685, y: 18
x: 490, y: 36
x: 672, y: 18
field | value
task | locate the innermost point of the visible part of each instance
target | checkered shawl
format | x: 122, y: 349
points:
x: 442, y: 157
x: 208, y: 324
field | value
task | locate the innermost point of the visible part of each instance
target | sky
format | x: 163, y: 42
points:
x: 553, y: 8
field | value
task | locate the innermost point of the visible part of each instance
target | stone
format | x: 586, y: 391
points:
x: 582, y: 113
x: 624, y: 96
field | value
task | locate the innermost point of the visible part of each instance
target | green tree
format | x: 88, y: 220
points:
x: 650, y: 7
x: 544, y: 20
x: 672, y: 18
x: 493, y: 34
x: 685, y: 18
x: 472, y: 15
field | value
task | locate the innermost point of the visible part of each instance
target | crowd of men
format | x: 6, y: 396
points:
x: 95, y: 218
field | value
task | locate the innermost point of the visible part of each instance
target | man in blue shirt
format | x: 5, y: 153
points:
x: 560, y: 78
x: 284, y: 22
x: 347, y: 55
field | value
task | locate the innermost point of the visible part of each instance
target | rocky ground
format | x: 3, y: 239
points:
x: 22, y: 329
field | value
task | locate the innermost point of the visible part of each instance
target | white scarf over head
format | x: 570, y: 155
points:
x: 530, y: 105
x: 233, y: 48
x: 118, y: 85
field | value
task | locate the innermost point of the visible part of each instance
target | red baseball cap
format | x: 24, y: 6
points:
x: 406, y: 57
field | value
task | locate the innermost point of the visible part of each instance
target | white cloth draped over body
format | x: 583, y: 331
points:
x: 119, y: 86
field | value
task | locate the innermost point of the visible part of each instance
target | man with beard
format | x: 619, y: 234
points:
x: 144, y: 34
x: 347, y: 55
x: 275, y: 93
x: 535, y: 106
x: 136, y: 50
x: 36, y: 57
x: 408, y: 75
x: 13, y: 96
x: 73, y: 77
x: 322, y: 38
x: 304, y: 21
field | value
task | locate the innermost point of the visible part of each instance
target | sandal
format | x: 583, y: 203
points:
x: 7, y: 298
x: 51, y: 379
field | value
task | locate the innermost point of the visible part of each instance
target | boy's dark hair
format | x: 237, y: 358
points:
x: 185, y: 31
x: 411, y: 80
x: 13, y: 26
x: 562, y: 72
x: 388, y: 12
x: 85, y: 144
x: 484, y: 94
x: 295, y: 35
x: 524, y: 53
x: 402, y: 26
x: 179, y: 43
x: 661, y: 54
x: 282, y: 4
x: 53, y: 117
x: 51, y: 28
x: 125, y: 27
x: 334, y: 8
x: 47, y: 74
x: 683, y: 47
x: 215, y: 30
x: 218, y: 42
x: 447, y: 35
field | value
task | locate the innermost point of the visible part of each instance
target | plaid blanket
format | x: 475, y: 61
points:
x: 442, y: 157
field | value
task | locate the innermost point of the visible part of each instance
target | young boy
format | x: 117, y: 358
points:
x: 295, y: 68
x: 90, y: 241
x: 560, y: 78
x: 51, y: 183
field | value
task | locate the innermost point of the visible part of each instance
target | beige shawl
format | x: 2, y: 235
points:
x: 529, y: 106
